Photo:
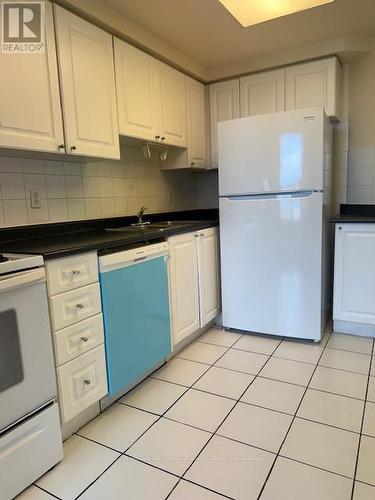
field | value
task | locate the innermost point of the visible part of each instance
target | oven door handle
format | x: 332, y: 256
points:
x: 12, y: 281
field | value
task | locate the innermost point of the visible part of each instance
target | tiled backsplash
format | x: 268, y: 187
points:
x: 79, y: 190
x: 361, y: 176
x: 340, y: 165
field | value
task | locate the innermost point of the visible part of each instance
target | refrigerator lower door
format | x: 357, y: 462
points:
x: 271, y: 264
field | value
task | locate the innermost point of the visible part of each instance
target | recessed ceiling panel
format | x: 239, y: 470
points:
x: 250, y: 12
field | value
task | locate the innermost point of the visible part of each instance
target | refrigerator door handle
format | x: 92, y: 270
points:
x: 264, y: 196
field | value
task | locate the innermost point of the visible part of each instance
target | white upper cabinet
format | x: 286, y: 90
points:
x: 151, y: 97
x: 88, y: 93
x: 224, y: 105
x: 30, y: 112
x: 262, y: 93
x: 137, y: 96
x: 314, y: 84
x: 208, y: 271
x: 196, y: 123
x: 354, y: 285
x: 172, y: 106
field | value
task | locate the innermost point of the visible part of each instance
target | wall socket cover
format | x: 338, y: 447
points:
x: 35, y: 200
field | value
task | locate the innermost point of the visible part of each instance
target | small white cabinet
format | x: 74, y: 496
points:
x: 315, y: 83
x: 137, y: 96
x: 173, y: 128
x: 354, y: 283
x: 208, y: 274
x: 196, y: 123
x: 151, y: 97
x: 88, y: 93
x: 194, y: 281
x: 183, y: 280
x: 30, y: 112
x: 262, y: 93
x: 224, y: 105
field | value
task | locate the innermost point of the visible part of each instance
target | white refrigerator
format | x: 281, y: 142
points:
x: 274, y: 203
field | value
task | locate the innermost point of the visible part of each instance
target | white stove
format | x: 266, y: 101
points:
x: 12, y: 262
x: 30, y: 437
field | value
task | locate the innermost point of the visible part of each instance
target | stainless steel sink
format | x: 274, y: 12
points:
x: 152, y: 226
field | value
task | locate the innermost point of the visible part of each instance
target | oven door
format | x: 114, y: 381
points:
x: 27, y: 375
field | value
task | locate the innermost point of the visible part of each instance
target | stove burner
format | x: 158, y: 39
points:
x: 3, y: 258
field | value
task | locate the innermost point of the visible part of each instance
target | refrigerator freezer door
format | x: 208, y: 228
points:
x: 272, y: 153
x: 271, y: 255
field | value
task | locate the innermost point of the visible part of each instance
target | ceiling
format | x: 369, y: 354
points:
x: 207, y: 33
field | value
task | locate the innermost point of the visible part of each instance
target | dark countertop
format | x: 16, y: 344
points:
x: 58, y: 240
x: 355, y: 214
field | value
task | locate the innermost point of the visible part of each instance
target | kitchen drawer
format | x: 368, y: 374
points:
x: 71, y: 272
x: 70, y: 307
x: 81, y: 382
x: 78, y: 339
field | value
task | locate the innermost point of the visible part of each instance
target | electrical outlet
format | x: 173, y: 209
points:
x: 35, y: 199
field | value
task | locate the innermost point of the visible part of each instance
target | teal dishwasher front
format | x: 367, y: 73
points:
x: 134, y: 287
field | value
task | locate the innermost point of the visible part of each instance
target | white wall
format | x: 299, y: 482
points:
x: 75, y: 191
x: 361, y: 164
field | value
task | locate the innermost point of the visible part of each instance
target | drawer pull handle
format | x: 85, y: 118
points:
x: 80, y: 306
x: 76, y: 272
x: 84, y: 339
x: 87, y: 381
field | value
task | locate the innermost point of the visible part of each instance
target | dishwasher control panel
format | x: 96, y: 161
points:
x: 134, y: 255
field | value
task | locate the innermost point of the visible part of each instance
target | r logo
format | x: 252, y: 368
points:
x: 23, y: 27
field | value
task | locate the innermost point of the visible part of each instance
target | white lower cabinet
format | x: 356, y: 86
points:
x: 208, y: 273
x: 194, y: 281
x: 82, y: 382
x: 183, y: 276
x: 354, y: 284
x: 77, y: 330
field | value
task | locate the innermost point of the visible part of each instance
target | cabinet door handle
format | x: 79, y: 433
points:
x: 196, y: 235
x: 192, y: 163
x: 80, y: 306
x: 76, y: 272
x: 340, y: 228
x: 87, y: 381
x: 73, y: 148
x: 84, y: 339
x: 157, y: 137
x: 162, y: 138
x: 61, y: 146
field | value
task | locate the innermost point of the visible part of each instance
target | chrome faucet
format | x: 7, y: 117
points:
x: 140, y: 215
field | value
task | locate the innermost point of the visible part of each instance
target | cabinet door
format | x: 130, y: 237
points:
x: 224, y: 105
x: 87, y: 87
x: 30, y: 112
x: 196, y: 120
x: 354, y: 284
x: 314, y: 84
x: 262, y: 93
x: 172, y: 114
x: 208, y: 271
x: 183, y: 277
x: 136, y: 87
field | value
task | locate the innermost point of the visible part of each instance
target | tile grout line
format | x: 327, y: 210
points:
x: 94, y: 481
x: 292, y: 421
x: 362, y: 422
x: 221, y: 423
x: 45, y: 491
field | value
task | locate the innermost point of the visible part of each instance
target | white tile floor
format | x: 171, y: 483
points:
x: 233, y: 416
